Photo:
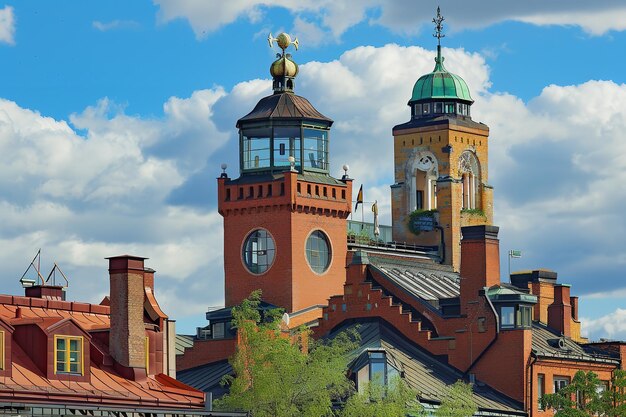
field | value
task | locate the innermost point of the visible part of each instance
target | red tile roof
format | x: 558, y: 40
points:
x: 106, y: 387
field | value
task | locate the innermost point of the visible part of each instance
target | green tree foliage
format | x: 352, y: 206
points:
x: 394, y: 400
x: 276, y: 376
x: 615, y: 398
x: 583, y: 397
x: 458, y: 402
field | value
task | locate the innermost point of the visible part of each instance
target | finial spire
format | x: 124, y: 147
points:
x: 438, y: 21
x: 284, y: 69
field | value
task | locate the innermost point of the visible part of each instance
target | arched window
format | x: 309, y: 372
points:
x: 421, y: 179
x: 469, y: 171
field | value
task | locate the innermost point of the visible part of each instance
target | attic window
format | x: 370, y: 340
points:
x: 376, y: 370
x: 68, y: 355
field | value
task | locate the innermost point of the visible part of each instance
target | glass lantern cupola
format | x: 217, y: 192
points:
x: 284, y: 131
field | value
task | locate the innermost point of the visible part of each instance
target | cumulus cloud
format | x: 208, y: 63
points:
x: 7, y: 25
x: 106, y: 192
x: 123, y: 183
x: 335, y: 17
x: 612, y: 326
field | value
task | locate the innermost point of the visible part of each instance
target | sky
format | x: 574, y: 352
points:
x: 116, y: 116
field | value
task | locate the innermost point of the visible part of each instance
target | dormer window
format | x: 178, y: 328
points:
x: 68, y: 355
x: 515, y: 317
x: 375, y: 369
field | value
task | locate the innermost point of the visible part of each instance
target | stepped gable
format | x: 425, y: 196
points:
x: 422, y: 371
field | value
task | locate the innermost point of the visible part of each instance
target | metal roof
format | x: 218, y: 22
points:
x: 546, y: 344
x: 422, y: 371
x: 183, y: 341
x: 441, y: 84
x: 284, y: 106
x: 207, y: 377
x: 424, y: 280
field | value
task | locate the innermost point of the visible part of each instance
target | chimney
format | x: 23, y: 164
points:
x: 560, y: 311
x: 148, y: 278
x: 127, y: 335
x: 574, y: 303
x: 48, y: 292
x: 541, y: 283
x: 480, y: 260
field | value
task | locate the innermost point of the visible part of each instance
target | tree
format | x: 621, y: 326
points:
x: 583, y: 397
x: 458, y: 401
x: 615, y: 398
x: 394, y: 400
x: 275, y: 376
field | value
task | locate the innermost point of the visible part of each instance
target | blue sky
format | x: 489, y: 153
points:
x: 115, y: 117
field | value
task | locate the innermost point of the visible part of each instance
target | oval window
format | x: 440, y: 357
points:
x: 258, y: 251
x: 318, y: 252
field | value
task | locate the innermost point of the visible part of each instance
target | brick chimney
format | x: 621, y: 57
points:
x: 48, y: 292
x: 560, y: 311
x: 574, y: 303
x: 480, y: 260
x: 541, y: 283
x: 127, y: 335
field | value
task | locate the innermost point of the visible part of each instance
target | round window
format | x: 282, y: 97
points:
x: 318, y: 252
x: 258, y: 251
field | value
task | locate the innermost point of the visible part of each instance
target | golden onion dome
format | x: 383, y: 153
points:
x: 284, y: 67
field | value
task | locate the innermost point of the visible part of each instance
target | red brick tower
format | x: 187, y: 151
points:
x: 285, y: 216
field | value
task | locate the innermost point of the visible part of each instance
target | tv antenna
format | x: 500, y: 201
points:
x: 35, y: 265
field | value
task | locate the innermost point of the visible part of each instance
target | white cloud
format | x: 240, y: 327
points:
x: 114, y: 24
x: 336, y: 17
x: 612, y: 326
x: 82, y: 198
x: 7, y: 25
x: 109, y: 190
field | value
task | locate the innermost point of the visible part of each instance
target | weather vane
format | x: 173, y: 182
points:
x: 438, y: 21
x: 283, y: 41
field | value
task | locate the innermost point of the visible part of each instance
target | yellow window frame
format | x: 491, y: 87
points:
x: 147, y: 355
x: 67, y: 354
x: 2, y: 350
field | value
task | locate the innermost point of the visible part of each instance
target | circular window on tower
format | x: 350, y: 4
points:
x: 258, y: 251
x: 318, y: 252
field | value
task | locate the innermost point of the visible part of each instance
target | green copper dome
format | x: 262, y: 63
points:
x: 440, y: 84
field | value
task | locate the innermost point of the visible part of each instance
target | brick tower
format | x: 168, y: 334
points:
x: 440, y: 159
x: 285, y: 216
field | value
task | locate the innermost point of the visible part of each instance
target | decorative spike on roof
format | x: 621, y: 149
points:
x: 440, y: 84
x: 284, y: 69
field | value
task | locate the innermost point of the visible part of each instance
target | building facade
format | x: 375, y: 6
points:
x: 430, y: 317
x: 59, y: 357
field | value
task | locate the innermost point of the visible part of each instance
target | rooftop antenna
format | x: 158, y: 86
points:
x: 53, y: 275
x: 28, y: 282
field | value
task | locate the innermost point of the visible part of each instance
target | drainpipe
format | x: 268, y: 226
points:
x: 531, y: 367
x: 443, y: 245
x: 495, y: 338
